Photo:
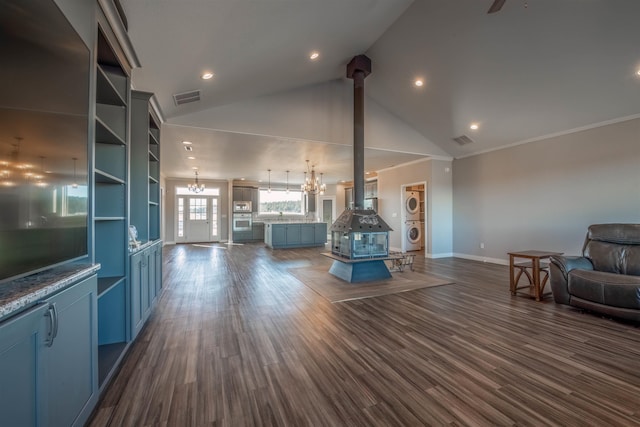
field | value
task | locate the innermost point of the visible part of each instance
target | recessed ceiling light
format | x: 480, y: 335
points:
x: 314, y: 55
x: 241, y: 179
x: 187, y: 142
x: 474, y: 126
x: 418, y: 82
x: 191, y: 158
x: 188, y: 148
x: 207, y: 76
x: 638, y: 73
x: 195, y: 168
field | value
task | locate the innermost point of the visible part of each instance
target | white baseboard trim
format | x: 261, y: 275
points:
x: 441, y: 255
x: 168, y: 243
x: 482, y: 259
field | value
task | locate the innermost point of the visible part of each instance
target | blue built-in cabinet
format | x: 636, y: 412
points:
x: 146, y: 284
x: 58, y: 352
x: 21, y: 341
x: 111, y: 194
x: 48, y: 360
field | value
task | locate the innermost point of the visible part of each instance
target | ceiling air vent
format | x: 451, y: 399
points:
x: 186, y: 97
x: 463, y: 140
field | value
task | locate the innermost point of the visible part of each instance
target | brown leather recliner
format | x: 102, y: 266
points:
x: 606, y: 278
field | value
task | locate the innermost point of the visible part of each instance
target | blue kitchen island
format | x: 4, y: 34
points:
x: 285, y: 235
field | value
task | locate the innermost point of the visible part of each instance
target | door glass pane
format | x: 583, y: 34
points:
x: 180, y: 216
x: 197, y: 209
x: 214, y: 217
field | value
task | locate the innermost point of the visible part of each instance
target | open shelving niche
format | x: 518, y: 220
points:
x: 110, y: 203
x: 154, y: 177
x: 145, y: 167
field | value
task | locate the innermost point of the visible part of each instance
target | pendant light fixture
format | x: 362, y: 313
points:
x: 269, y: 188
x: 287, y: 182
x: 196, y: 187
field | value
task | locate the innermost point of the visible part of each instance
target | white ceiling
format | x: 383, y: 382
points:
x: 534, y: 69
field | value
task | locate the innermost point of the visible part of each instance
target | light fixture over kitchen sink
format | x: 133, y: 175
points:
x: 313, y: 184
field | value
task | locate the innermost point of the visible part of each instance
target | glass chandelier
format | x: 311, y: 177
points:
x: 196, y: 187
x: 313, y: 184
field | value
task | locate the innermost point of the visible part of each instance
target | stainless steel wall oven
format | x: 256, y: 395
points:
x: 242, y: 222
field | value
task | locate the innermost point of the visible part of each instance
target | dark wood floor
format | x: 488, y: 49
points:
x: 238, y: 341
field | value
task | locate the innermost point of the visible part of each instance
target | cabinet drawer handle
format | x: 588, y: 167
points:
x: 52, y: 333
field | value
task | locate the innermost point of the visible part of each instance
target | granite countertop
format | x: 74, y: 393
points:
x: 292, y: 221
x: 20, y: 294
x: 141, y: 246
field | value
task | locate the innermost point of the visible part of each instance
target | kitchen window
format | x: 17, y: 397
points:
x: 279, y: 201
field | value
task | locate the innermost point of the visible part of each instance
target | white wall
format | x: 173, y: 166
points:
x: 543, y: 195
x: 440, y: 209
x: 438, y: 198
x: 323, y: 112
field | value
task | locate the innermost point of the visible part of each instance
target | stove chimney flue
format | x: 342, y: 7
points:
x: 358, y: 69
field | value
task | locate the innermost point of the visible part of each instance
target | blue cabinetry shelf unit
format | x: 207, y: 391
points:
x: 48, y: 357
x: 110, y: 197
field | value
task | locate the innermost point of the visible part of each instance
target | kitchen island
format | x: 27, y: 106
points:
x: 283, y: 235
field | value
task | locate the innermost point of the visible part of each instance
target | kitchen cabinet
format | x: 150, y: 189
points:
x: 247, y: 194
x: 49, y: 356
x: 307, y: 233
x: 21, y: 339
x: 255, y: 200
x: 146, y: 283
x: 295, y: 235
x: 258, y: 232
x: 348, y: 198
x: 242, y: 236
x: 320, y: 232
x: 371, y: 189
x: 70, y: 364
x: 278, y: 235
x: 292, y: 234
x: 311, y: 202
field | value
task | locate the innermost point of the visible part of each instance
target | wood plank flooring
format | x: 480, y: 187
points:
x: 236, y: 340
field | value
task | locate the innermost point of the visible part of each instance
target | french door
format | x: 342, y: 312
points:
x: 197, y: 219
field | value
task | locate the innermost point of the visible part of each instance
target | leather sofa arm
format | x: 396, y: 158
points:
x: 559, y: 269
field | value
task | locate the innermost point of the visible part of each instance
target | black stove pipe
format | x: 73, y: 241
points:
x: 358, y: 69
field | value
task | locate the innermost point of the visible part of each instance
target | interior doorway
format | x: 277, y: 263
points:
x: 413, y: 216
x: 327, y: 211
x: 197, y: 218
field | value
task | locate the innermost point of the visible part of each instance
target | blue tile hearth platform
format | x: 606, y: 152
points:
x: 360, y: 270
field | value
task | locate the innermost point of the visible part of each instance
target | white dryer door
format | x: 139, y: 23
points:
x: 413, y: 233
x: 412, y: 203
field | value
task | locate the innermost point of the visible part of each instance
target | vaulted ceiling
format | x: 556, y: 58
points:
x: 535, y: 69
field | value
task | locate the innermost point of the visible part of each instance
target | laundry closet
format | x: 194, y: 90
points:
x: 413, y: 218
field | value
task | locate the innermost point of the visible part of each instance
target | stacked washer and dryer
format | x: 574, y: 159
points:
x: 412, y: 226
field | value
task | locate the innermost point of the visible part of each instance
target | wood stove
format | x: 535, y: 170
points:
x: 360, y: 234
x: 359, y: 237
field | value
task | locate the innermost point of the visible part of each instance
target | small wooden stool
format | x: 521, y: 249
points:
x: 400, y: 263
x: 525, y: 267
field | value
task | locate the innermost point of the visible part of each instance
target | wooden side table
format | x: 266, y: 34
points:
x: 534, y: 264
